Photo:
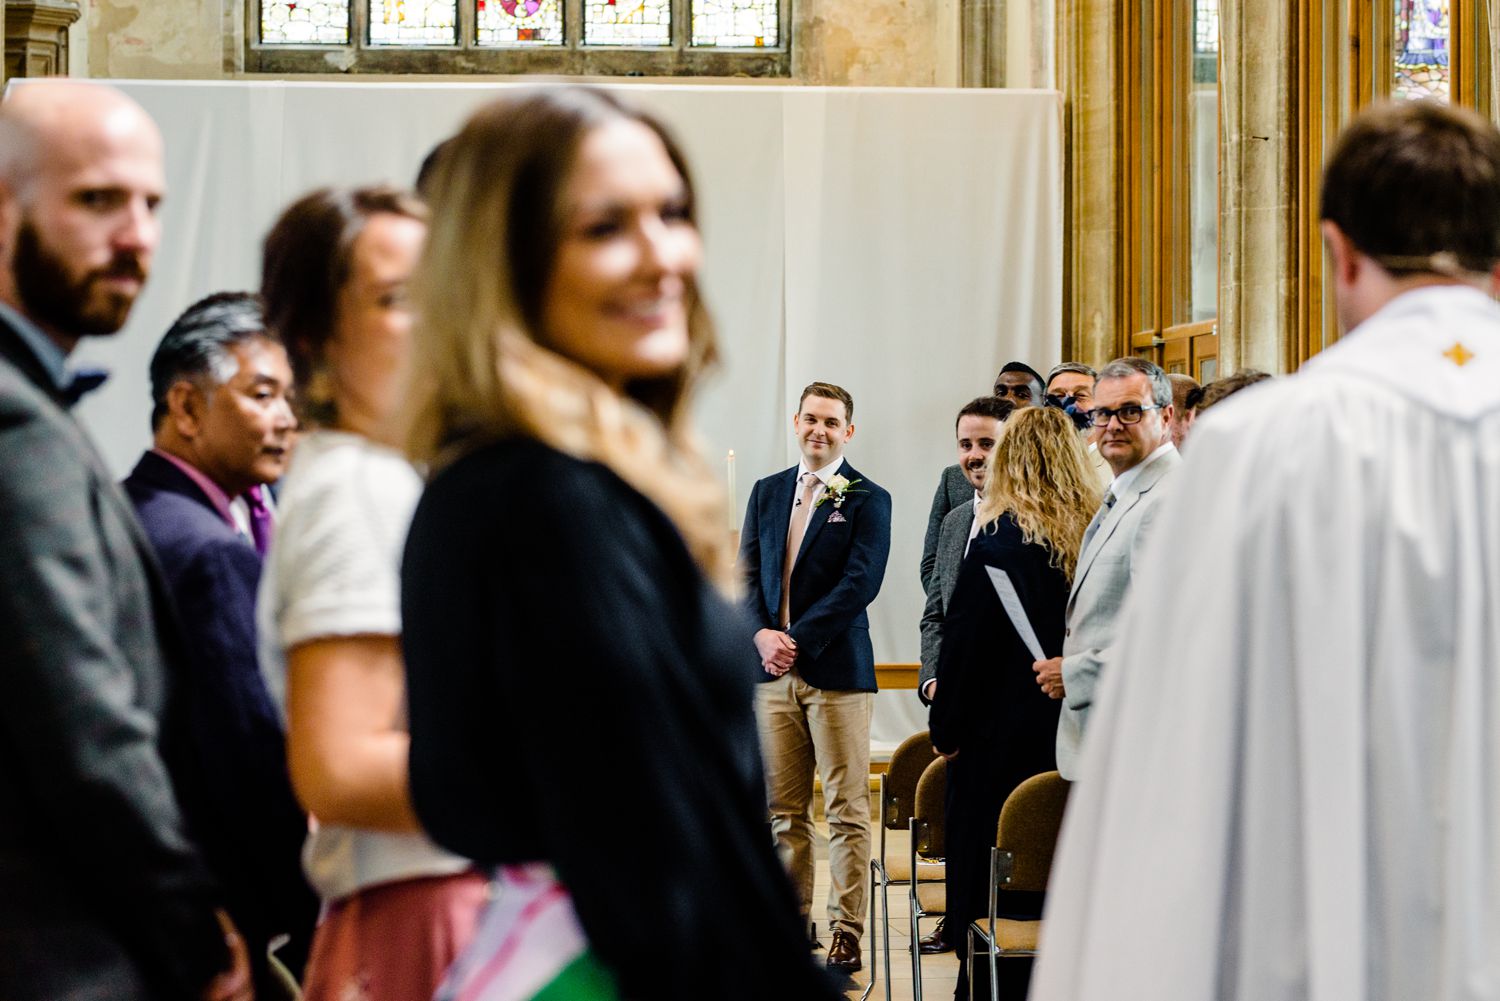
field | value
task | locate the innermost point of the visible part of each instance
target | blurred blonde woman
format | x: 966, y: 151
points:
x: 989, y: 718
x: 396, y: 907
x: 579, y: 687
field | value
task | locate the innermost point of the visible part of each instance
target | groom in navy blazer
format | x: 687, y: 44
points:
x: 223, y: 425
x: 813, y: 552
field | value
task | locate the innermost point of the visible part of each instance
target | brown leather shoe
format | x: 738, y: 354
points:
x: 843, y: 952
x: 933, y: 943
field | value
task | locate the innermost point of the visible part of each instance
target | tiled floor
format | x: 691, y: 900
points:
x: 938, y: 972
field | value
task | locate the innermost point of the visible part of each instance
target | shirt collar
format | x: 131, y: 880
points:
x: 47, y: 353
x: 976, y: 500
x: 825, y: 474
x: 1124, y: 481
x: 70, y: 385
x: 215, y: 494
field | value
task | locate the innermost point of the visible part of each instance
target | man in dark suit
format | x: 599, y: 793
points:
x: 1017, y: 384
x: 976, y: 430
x: 813, y: 552
x: 102, y: 894
x: 223, y: 425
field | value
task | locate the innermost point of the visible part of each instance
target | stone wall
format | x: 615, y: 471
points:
x: 870, y: 43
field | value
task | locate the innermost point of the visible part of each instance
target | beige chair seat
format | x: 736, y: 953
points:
x: 1017, y: 936
x: 932, y: 897
x: 898, y: 868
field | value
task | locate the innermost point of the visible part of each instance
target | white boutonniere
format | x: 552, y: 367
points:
x: 839, y: 487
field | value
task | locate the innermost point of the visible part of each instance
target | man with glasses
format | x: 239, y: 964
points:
x: 1133, y: 416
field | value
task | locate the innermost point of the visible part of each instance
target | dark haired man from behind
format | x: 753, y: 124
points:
x: 1301, y: 751
x: 813, y: 554
x: 223, y: 426
x: 102, y: 894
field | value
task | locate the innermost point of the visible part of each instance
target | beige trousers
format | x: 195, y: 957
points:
x: 802, y: 728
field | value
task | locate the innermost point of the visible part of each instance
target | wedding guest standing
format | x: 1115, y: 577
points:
x: 222, y: 428
x: 989, y: 718
x: 102, y: 894
x: 334, y: 282
x: 813, y: 554
x: 580, y: 689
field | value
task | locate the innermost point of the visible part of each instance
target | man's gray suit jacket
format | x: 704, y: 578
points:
x: 953, y: 491
x: 953, y: 540
x: 101, y: 892
x: 1100, y: 584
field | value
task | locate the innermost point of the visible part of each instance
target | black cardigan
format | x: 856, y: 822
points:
x: 580, y: 695
x: 987, y: 695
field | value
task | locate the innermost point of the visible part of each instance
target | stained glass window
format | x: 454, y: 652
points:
x: 300, y: 22
x: 736, y: 23
x: 627, y: 22
x: 1421, y: 35
x: 413, y: 22
x: 520, y: 22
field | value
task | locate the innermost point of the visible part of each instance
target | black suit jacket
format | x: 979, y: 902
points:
x: 253, y: 829
x: 838, y: 572
x: 101, y: 891
x: 568, y: 667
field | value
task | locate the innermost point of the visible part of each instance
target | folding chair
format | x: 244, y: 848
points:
x: 898, y: 795
x: 927, y: 898
x: 1021, y: 860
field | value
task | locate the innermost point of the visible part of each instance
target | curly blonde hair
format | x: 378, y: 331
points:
x: 482, y: 368
x: 1040, y: 475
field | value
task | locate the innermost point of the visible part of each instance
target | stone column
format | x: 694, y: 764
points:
x: 1088, y: 34
x: 36, y: 36
x: 1257, y: 197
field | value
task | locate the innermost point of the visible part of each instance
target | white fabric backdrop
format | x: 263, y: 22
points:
x: 901, y: 243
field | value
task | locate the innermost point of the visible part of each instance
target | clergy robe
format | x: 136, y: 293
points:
x: 1291, y: 788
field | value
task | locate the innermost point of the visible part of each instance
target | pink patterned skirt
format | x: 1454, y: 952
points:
x: 394, y: 941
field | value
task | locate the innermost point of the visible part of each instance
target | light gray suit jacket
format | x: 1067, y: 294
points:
x: 953, y: 539
x: 1105, y: 569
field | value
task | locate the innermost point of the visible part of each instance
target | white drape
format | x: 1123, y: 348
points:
x: 901, y: 243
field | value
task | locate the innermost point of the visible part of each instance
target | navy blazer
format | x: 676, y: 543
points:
x: 252, y: 829
x: 838, y: 573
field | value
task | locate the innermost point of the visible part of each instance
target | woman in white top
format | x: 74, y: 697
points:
x: 396, y: 907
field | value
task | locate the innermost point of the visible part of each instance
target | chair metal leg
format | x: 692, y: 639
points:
x: 916, y: 952
x: 885, y: 935
x: 875, y: 872
x: 969, y: 934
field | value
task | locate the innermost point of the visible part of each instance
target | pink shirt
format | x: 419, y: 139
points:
x: 216, y: 496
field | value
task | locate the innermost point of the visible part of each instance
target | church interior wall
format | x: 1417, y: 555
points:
x: 857, y: 43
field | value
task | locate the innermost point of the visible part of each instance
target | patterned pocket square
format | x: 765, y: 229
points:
x: 835, y: 518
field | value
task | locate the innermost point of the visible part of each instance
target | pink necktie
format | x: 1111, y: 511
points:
x: 261, y: 525
x: 801, y: 512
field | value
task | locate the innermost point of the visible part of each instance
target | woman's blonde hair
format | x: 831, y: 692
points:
x: 1040, y: 475
x: 481, y: 367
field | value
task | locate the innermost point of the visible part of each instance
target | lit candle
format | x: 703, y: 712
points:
x: 729, y: 462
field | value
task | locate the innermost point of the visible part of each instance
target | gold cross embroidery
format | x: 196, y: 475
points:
x: 1459, y: 355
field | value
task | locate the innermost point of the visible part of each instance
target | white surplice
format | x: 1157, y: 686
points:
x: 1290, y: 790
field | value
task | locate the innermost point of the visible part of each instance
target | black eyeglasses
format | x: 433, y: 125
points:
x: 1131, y: 413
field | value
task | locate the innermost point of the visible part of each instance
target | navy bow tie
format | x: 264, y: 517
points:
x: 84, y: 381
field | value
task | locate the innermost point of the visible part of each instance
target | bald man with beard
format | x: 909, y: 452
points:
x: 102, y: 893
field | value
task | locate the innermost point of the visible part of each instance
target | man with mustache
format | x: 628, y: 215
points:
x: 813, y: 552
x: 1133, y: 414
x: 101, y: 891
x: 223, y: 425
